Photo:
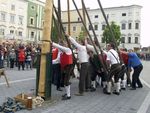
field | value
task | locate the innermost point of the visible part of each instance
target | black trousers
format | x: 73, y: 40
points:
x: 56, y: 75
x: 66, y: 74
x: 135, y: 76
x: 12, y: 61
x: 114, y: 71
x: 83, y: 81
x: 21, y: 63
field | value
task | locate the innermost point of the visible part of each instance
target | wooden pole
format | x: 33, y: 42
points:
x: 68, y: 6
x: 45, y: 45
x: 59, y: 13
x: 84, y: 18
x: 111, y: 31
x: 104, y: 67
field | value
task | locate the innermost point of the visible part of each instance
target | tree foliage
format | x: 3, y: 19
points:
x: 107, y: 36
x: 82, y: 34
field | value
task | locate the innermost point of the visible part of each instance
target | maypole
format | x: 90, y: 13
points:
x: 44, y: 87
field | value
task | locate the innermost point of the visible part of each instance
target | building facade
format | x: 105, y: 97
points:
x: 35, y: 20
x: 127, y: 17
x: 76, y: 26
x: 13, y: 19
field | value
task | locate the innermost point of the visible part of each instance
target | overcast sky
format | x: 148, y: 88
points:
x: 145, y: 15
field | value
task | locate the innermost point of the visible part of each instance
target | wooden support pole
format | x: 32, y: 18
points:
x: 84, y: 18
x: 68, y: 6
x: 45, y: 46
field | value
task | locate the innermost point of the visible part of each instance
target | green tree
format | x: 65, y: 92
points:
x: 54, y: 34
x: 107, y: 36
x: 82, y: 34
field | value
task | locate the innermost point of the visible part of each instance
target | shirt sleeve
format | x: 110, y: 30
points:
x: 62, y: 48
x: 90, y: 47
x: 74, y: 42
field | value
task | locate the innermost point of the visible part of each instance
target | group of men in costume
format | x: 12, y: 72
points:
x: 91, y: 67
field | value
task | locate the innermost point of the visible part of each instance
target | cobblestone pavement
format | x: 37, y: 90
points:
x: 92, y: 102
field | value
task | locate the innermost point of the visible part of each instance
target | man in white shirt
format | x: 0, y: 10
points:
x: 84, y: 81
x: 114, y: 63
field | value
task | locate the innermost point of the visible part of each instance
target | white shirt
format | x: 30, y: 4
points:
x: 63, y: 49
x: 82, y: 52
x: 111, y: 57
x: 90, y: 47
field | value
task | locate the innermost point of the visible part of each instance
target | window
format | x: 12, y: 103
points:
x: 96, y: 16
x: 13, y: 7
x: 32, y: 34
x: 11, y: 31
x: 12, y: 18
x: 31, y: 21
x: 103, y: 27
x: 74, y: 28
x: 136, y: 25
x: 123, y: 26
x: 82, y: 28
x: 130, y: 26
x: 78, y: 19
x: 129, y: 39
x: 123, y: 40
x: 3, y: 16
x: 90, y: 27
x: 2, y: 31
x: 123, y: 14
x: 32, y: 7
x: 103, y: 40
x: 20, y: 33
x: 65, y: 29
x: 20, y: 20
x: 96, y: 27
x: 136, y: 40
x: 107, y: 16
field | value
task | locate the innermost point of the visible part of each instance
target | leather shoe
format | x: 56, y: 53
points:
x: 79, y: 94
x: 59, y: 89
x: 116, y: 93
x: 66, y: 98
x: 132, y: 88
x: 140, y: 87
x: 123, y: 88
x: 64, y: 95
x: 107, y: 93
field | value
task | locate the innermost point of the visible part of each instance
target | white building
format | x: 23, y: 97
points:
x: 13, y: 19
x: 127, y: 17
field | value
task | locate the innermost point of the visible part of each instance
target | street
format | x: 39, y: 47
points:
x: 128, y: 101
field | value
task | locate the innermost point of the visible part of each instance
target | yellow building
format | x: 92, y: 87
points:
x: 76, y: 26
